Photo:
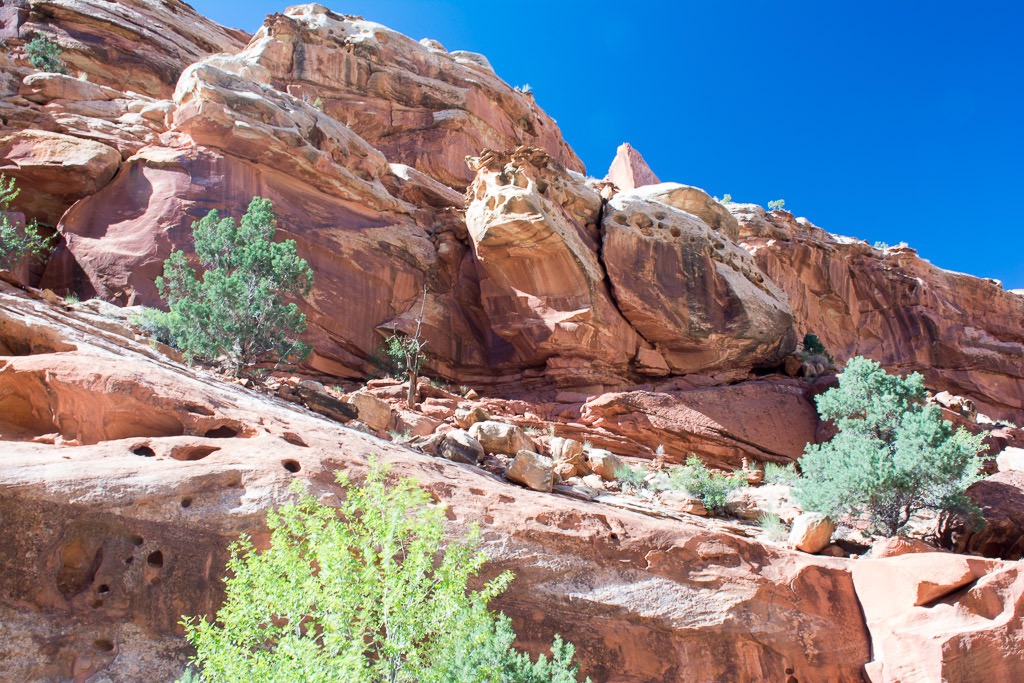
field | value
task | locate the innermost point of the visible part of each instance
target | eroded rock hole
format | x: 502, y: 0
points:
x: 103, y: 589
x: 78, y: 567
x: 292, y: 466
x: 144, y: 450
x: 186, y: 502
x: 222, y: 432
x: 155, y: 559
x: 193, y: 452
x: 103, y: 645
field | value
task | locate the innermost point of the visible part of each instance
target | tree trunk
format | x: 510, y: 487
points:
x: 413, y: 386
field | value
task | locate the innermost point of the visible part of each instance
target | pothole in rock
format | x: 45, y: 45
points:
x: 193, y: 452
x: 222, y: 429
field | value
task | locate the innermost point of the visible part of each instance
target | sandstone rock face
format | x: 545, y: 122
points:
x: 922, y: 629
x: 629, y: 170
x: 962, y: 333
x: 687, y: 288
x: 418, y: 104
x: 811, y: 532
x: 152, y: 41
x: 532, y: 470
x: 535, y: 236
x: 57, y: 170
x: 762, y: 420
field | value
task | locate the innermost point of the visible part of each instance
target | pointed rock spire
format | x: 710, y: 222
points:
x: 629, y: 170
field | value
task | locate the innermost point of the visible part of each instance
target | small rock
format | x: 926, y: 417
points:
x: 466, y: 418
x: 532, y: 470
x: 565, y: 470
x: 811, y: 532
x: 604, y: 463
x: 1011, y: 460
x: 416, y: 423
x: 681, y: 502
x: 458, y: 446
x: 472, y: 395
x: 594, y: 481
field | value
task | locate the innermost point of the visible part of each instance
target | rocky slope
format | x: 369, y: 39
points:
x: 126, y: 474
x: 646, y: 318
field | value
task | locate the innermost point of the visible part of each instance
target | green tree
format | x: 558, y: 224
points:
x: 17, y: 241
x: 893, y: 454
x: 237, y: 309
x: 364, y: 593
x: 776, y: 204
x: 44, y: 55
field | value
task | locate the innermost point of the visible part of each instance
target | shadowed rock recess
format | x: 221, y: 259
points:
x: 597, y: 322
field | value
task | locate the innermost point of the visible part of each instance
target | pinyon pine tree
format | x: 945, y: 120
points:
x: 893, y: 454
x: 17, y: 241
x: 237, y: 310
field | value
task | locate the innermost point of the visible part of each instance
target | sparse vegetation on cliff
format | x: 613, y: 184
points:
x: 45, y: 55
x: 365, y: 594
x: 710, y: 487
x: 237, y: 311
x: 17, y: 241
x: 893, y: 455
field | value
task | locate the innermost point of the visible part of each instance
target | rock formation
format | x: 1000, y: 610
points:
x: 606, y: 323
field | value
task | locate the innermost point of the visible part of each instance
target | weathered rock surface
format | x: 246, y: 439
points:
x: 152, y: 41
x: 542, y: 286
x: 1001, y: 500
x: 811, y: 532
x: 686, y: 288
x: 500, y: 437
x: 963, y: 333
x: 762, y: 420
x: 936, y: 616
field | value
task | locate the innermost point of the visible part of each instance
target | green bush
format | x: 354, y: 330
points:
x: 893, y: 454
x: 711, y: 488
x: 776, y: 204
x: 775, y: 473
x: 44, y: 54
x: 17, y: 241
x: 364, y: 594
x: 773, y: 527
x: 631, y: 478
x: 237, y: 310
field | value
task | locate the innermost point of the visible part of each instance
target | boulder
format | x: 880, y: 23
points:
x: 467, y: 417
x: 688, y: 289
x: 680, y: 501
x: 500, y: 437
x: 458, y: 446
x: 315, y: 397
x: 416, y: 424
x: 373, y: 411
x: 532, y: 470
x: 811, y: 532
x: 1011, y: 460
x: 1001, y: 500
x: 55, y: 170
x: 604, y: 463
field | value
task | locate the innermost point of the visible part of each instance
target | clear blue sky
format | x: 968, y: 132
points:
x: 892, y: 121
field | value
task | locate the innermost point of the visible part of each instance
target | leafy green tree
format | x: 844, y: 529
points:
x: 16, y: 241
x: 45, y: 55
x: 364, y: 593
x: 776, y: 204
x: 237, y: 309
x: 893, y: 454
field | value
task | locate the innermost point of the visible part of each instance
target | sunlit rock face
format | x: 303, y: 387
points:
x: 965, y: 334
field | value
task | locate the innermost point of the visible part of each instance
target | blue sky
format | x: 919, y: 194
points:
x: 891, y: 121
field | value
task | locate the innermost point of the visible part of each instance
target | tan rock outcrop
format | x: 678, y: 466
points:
x: 629, y: 170
x: 962, y: 333
x: 687, y: 288
x: 535, y: 236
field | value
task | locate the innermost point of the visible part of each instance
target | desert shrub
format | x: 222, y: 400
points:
x: 775, y: 473
x: 236, y: 311
x: 776, y: 204
x: 814, y: 351
x: 17, y: 241
x: 773, y: 527
x: 154, y: 323
x: 711, y: 488
x: 631, y: 478
x: 45, y: 55
x: 893, y: 454
x: 364, y: 594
